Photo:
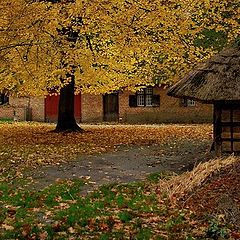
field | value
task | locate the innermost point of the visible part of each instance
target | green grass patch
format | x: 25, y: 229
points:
x: 6, y: 120
x: 126, y: 211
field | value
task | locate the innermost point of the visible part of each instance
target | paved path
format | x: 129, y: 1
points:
x: 125, y: 165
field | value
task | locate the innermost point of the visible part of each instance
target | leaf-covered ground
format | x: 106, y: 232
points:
x: 218, y: 199
x: 32, y: 145
x: 130, y: 211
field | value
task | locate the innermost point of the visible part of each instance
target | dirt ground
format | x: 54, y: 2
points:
x: 126, y: 164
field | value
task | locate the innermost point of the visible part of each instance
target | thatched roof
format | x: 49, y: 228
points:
x: 215, y: 80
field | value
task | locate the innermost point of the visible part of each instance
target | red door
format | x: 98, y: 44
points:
x: 51, y: 108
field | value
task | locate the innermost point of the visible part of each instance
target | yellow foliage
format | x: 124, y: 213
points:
x: 120, y: 43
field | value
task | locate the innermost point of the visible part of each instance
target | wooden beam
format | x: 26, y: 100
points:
x: 217, y: 129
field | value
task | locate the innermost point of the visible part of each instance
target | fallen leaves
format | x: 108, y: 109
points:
x: 24, y: 145
x: 218, y: 194
x: 7, y: 227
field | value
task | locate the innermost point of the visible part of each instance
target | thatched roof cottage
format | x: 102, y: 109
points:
x: 217, y: 81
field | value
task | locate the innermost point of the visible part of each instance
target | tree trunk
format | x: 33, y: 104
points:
x: 66, y: 119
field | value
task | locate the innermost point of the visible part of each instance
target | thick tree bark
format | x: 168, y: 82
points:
x: 66, y: 119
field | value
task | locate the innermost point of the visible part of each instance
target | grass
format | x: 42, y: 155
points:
x: 143, y: 210
x: 130, y: 211
x: 164, y: 175
x: 140, y: 210
x: 6, y: 120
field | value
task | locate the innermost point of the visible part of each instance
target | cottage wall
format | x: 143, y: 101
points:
x: 7, y: 112
x: 37, y: 105
x: 171, y: 110
x: 24, y: 108
x: 92, y: 108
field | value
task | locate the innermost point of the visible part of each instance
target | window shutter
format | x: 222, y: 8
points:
x: 156, y: 100
x: 183, y: 102
x: 132, y: 101
x: 6, y: 99
x: 3, y: 99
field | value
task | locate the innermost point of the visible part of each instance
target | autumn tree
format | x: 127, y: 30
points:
x: 96, y: 46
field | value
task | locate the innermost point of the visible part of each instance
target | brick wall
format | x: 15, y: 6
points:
x: 169, y: 111
x: 92, y: 108
x: 14, y: 113
x: 24, y: 108
x: 37, y: 105
x: 6, y: 112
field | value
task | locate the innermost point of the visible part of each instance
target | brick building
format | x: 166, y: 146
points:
x: 148, y: 105
x: 40, y: 109
x: 23, y: 108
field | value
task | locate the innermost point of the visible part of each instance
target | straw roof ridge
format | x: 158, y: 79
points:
x: 214, y: 80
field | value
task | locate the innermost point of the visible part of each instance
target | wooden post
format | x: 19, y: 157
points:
x: 217, y: 130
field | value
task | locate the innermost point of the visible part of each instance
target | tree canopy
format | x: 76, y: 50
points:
x: 106, y: 45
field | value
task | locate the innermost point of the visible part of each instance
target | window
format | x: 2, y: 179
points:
x: 227, y: 127
x: 144, y: 98
x: 191, y: 103
x: 188, y: 102
x: 3, y: 99
x: 140, y: 98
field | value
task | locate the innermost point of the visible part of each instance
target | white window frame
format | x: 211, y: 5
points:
x: 144, y: 97
x: 191, y: 103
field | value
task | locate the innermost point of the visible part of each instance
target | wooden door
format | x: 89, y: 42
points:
x: 110, y: 107
x: 51, y: 108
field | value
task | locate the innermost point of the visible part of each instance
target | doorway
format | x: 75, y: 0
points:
x: 51, y: 108
x: 110, y: 107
